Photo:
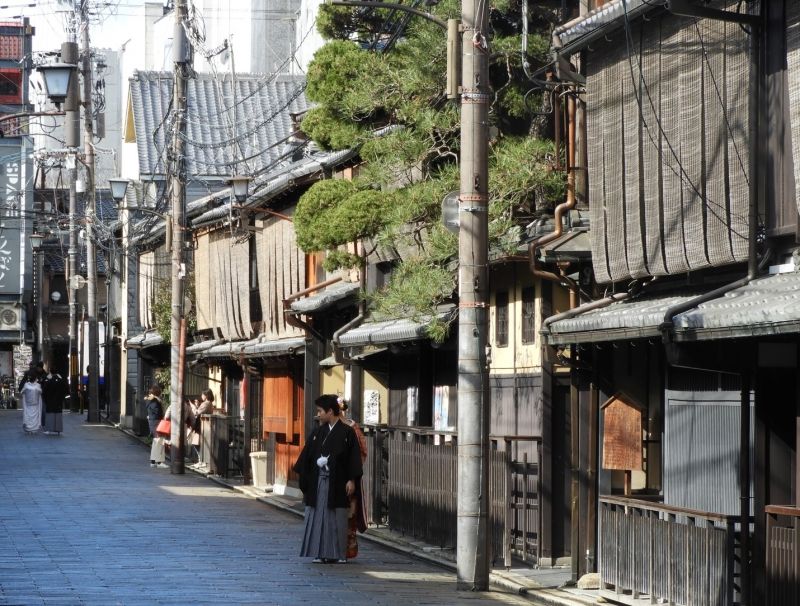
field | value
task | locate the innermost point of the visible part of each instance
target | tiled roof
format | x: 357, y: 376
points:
x: 261, y: 120
x: 765, y: 306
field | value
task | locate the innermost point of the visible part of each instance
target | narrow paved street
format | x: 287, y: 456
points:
x: 85, y: 520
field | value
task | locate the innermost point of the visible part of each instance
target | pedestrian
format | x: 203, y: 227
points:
x: 153, y: 407
x: 31, y: 393
x: 356, y: 518
x: 188, y: 419
x: 54, y: 390
x: 329, y: 467
x: 203, y: 406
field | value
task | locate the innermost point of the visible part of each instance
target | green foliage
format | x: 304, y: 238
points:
x: 335, y: 212
x: 330, y: 131
x: 415, y: 289
x: 162, y: 308
x: 396, y: 200
x: 163, y: 377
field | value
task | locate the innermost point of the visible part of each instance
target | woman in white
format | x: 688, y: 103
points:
x: 31, y: 405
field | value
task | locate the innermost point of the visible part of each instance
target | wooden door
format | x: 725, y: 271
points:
x: 283, y: 416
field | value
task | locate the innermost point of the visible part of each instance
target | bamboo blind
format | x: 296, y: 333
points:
x: 667, y: 120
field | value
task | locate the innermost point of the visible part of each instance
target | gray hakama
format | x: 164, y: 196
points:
x: 325, y: 533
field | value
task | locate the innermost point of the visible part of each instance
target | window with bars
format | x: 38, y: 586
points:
x: 528, y: 315
x: 501, y: 319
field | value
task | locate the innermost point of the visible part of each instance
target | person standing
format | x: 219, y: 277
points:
x: 54, y: 390
x: 153, y: 408
x: 31, y: 394
x: 329, y: 467
x: 356, y: 520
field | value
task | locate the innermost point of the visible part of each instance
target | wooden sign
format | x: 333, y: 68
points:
x: 622, y: 433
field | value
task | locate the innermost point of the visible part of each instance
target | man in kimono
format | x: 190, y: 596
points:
x: 330, y: 468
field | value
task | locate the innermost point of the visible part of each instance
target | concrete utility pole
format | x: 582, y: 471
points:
x: 69, y: 54
x: 182, y: 56
x: 90, y: 214
x: 472, y: 546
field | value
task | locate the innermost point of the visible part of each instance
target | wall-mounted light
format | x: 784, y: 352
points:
x: 239, y: 184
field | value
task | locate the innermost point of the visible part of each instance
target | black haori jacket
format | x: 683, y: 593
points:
x: 340, y: 445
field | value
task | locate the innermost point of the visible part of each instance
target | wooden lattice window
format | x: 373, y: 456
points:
x: 528, y: 315
x: 501, y: 319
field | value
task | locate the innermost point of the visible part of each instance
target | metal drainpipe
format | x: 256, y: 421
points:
x: 561, y: 208
x: 338, y: 353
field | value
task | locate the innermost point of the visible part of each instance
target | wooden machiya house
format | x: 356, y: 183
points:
x: 247, y: 267
x: 684, y: 372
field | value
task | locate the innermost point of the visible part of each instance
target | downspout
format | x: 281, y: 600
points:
x: 338, y: 353
x: 560, y: 209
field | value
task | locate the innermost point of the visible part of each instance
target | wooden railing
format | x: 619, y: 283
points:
x: 653, y: 553
x: 783, y: 555
x: 410, y: 483
x: 516, y: 488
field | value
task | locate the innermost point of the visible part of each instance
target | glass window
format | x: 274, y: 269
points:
x: 501, y: 319
x: 528, y: 315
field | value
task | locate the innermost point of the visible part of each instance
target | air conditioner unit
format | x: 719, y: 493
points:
x: 10, y: 316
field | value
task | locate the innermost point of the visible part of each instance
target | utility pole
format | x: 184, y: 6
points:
x: 472, y: 544
x: 69, y: 54
x: 90, y: 213
x: 182, y: 56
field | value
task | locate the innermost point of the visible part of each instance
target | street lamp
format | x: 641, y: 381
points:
x: 119, y: 187
x: 57, y: 78
x: 240, y: 184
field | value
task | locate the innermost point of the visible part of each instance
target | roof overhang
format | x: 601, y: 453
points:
x: 768, y: 306
x: 325, y: 299
x: 144, y: 340
x: 391, y: 331
x: 575, y: 35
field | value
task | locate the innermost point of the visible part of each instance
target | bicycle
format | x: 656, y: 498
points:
x: 7, y: 399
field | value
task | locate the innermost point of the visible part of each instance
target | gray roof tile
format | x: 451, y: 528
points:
x: 262, y: 120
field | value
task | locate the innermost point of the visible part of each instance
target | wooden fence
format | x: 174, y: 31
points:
x: 410, y: 483
x: 653, y: 553
x: 783, y: 555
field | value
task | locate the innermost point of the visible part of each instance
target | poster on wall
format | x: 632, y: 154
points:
x: 23, y: 356
x: 441, y: 408
x: 372, y: 407
x: 412, y: 406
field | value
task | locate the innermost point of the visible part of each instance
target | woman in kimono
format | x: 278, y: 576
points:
x: 357, y: 521
x: 330, y: 468
x: 31, y: 394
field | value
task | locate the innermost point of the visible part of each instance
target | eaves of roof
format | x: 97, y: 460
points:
x: 768, y: 306
x: 575, y: 35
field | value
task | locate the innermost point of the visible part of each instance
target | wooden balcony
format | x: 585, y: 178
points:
x: 654, y: 554
x: 783, y: 555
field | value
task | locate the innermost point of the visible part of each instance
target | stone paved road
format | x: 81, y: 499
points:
x: 85, y: 520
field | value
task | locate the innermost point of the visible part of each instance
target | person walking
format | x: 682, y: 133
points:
x: 31, y: 393
x: 329, y: 467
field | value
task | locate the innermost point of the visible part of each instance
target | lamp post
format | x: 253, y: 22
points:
x: 62, y: 88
